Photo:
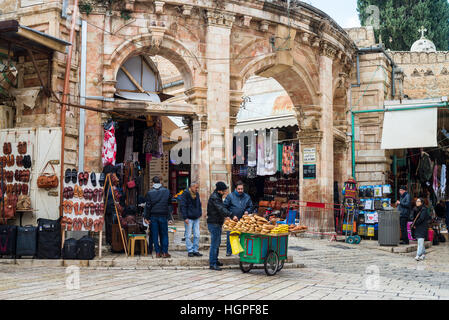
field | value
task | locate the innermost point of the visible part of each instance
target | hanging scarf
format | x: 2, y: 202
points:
x: 109, y: 150
x: 270, y: 155
x: 261, y: 153
x: 443, y: 181
x: 252, y: 150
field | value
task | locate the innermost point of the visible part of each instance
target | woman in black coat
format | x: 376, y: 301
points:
x: 420, y: 226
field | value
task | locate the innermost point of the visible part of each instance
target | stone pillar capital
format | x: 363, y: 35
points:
x: 220, y: 18
x: 187, y: 10
x: 328, y: 51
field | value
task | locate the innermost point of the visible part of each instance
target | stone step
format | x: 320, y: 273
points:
x: 123, y: 262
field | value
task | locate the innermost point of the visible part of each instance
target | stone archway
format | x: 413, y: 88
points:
x: 190, y: 68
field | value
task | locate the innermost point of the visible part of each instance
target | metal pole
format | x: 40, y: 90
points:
x: 82, y: 94
x: 65, y: 96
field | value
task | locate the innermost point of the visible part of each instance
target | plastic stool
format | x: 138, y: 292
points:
x: 132, y: 238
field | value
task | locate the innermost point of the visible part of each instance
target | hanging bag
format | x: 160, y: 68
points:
x: 47, y: 180
x: 131, y: 183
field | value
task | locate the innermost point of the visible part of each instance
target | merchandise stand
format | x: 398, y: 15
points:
x: 100, y: 240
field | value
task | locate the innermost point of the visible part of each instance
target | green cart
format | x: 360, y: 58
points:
x: 269, y: 250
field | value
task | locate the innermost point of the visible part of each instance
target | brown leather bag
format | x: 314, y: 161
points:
x: 47, y: 180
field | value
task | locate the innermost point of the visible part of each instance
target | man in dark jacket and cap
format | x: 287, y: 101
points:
x: 404, y: 206
x: 216, y: 213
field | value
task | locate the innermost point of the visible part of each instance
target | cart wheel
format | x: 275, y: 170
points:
x: 281, y: 265
x: 245, y: 267
x: 271, y: 263
x: 357, y: 239
x: 350, y: 240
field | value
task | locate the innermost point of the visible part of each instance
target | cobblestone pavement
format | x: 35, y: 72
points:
x: 332, y: 271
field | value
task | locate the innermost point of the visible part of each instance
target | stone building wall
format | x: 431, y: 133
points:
x: 426, y: 74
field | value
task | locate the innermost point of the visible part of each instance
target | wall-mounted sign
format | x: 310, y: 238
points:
x: 309, y: 171
x: 309, y: 155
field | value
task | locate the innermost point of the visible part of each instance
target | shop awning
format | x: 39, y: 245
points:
x: 413, y: 128
x: 272, y: 122
x: 21, y: 37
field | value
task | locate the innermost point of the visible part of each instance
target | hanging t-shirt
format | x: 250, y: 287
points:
x: 109, y: 150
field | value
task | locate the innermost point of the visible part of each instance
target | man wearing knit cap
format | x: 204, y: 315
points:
x: 216, y: 213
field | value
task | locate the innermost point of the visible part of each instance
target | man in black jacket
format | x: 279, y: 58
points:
x: 157, y: 211
x: 190, y: 207
x: 216, y: 213
x: 404, y: 206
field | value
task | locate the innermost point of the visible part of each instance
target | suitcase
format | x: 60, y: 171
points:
x: 26, y: 244
x: 8, y: 236
x: 49, y: 239
x: 86, y: 248
x: 70, y: 250
x: 117, y: 245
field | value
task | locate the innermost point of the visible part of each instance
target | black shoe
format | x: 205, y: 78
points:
x: 183, y: 239
x: 74, y: 176
x: 68, y: 175
x: 197, y: 254
x: 216, y: 268
x: 191, y: 254
x: 219, y: 264
x: 228, y: 254
x: 403, y: 242
x: 93, y: 179
x: 102, y: 179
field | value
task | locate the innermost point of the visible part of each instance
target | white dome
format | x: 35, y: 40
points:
x: 423, y: 45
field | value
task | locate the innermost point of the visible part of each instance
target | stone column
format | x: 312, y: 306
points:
x: 200, y: 170
x: 218, y: 95
x: 317, y: 132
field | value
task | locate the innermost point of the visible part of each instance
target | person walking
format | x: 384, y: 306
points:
x: 190, y: 207
x: 239, y: 203
x: 420, y: 226
x: 404, y: 206
x: 157, y: 214
x: 216, y: 213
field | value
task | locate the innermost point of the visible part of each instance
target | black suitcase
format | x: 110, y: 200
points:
x: 70, y: 250
x: 8, y: 236
x: 49, y: 239
x: 26, y: 244
x: 86, y: 248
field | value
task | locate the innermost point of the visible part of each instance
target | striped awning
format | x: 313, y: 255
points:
x: 272, y: 122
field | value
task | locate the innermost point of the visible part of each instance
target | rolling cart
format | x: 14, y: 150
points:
x: 267, y: 249
x: 351, y: 208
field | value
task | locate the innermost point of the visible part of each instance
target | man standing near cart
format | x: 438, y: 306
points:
x: 404, y: 207
x: 216, y: 213
x: 239, y: 203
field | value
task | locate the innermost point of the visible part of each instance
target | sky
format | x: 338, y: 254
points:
x: 344, y: 12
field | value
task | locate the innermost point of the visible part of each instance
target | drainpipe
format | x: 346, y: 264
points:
x: 65, y: 97
x: 82, y: 95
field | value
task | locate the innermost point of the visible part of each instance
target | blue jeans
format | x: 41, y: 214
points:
x: 215, y: 240
x: 228, y: 243
x: 159, y: 230
x: 421, y: 247
x: 194, y: 225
